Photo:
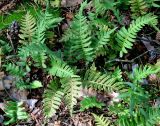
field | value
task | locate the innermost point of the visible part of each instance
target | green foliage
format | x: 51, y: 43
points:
x: 126, y: 37
x: 138, y: 8
x: 153, y: 3
x: 78, y: 41
x: 71, y: 88
x: 28, y: 28
x: 100, y: 81
x: 90, y: 102
x: 60, y: 69
x: 15, y: 112
x: 15, y: 70
x: 52, y: 99
x: 45, y: 21
x: 89, y: 39
x: 150, y: 117
x: 101, y: 120
x: 5, y: 47
x: 103, y: 39
x: 140, y: 73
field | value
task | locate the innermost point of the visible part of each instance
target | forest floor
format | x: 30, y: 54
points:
x: 81, y: 73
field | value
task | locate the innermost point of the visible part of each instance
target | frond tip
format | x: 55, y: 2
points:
x: 90, y: 102
x: 60, y: 69
x: 101, y: 121
x: 52, y: 99
x: 126, y: 37
x: 99, y: 81
x: 71, y: 86
x: 15, y: 112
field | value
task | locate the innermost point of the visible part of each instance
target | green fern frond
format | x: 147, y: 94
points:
x: 5, y: 47
x: 126, y: 37
x: 117, y: 74
x: 45, y: 21
x: 90, y: 102
x: 14, y: 70
x: 99, y: 81
x: 140, y: 73
x: 52, y: 99
x: 71, y: 86
x: 79, y: 44
x: 60, y: 69
x: 15, y: 112
x: 101, y: 120
x: 150, y: 117
x: 103, y: 39
x: 138, y: 8
x: 28, y: 28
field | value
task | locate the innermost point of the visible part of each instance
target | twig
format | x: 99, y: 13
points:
x: 128, y: 61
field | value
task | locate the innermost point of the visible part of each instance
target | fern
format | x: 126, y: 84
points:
x: 52, y: 99
x: 126, y: 37
x: 28, y: 28
x: 90, y: 102
x: 15, y: 112
x: 60, y: 69
x: 140, y: 73
x: 101, y: 81
x: 78, y: 45
x: 5, y: 47
x: 103, y: 39
x: 150, y: 117
x: 15, y: 70
x: 117, y: 74
x: 72, y: 86
x: 45, y: 21
x: 101, y: 121
x: 138, y: 8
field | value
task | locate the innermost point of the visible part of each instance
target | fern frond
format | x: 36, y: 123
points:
x: 15, y: 70
x: 126, y: 37
x: 38, y: 52
x: 99, y: 81
x: 79, y: 44
x: 28, y: 28
x: 138, y: 8
x: 5, y: 47
x: 140, y: 73
x: 52, y: 99
x: 90, y: 102
x: 103, y: 39
x: 117, y: 74
x: 45, y: 21
x: 15, y: 112
x: 72, y: 86
x: 150, y: 117
x: 60, y: 69
x: 101, y: 120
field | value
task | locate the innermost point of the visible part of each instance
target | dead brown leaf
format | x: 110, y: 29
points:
x: 70, y: 3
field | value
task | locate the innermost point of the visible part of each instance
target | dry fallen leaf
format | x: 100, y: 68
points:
x: 2, y: 106
x: 70, y: 3
x: 19, y: 95
x: 31, y: 103
x: 82, y: 119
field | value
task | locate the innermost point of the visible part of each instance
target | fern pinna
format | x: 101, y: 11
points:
x: 52, y: 98
x: 101, y: 120
x: 138, y: 8
x: 126, y: 37
x: 71, y: 87
x: 99, y: 81
x: 15, y: 112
